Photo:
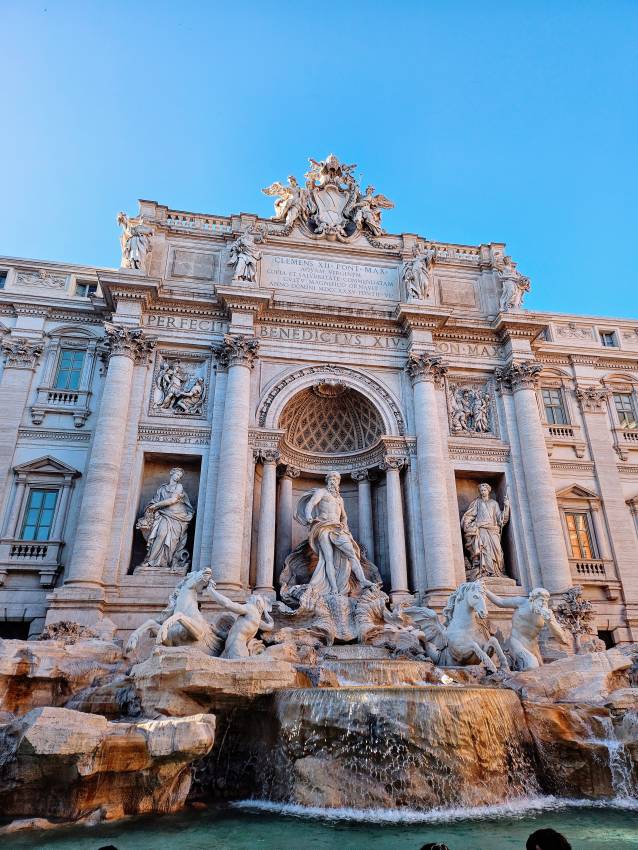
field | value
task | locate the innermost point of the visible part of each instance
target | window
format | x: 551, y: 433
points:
x: 580, y: 537
x: 554, y: 408
x: 607, y: 638
x: 85, y: 290
x: 626, y: 410
x: 15, y: 629
x: 3, y: 279
x: 38, y: 518
x: 608, y: 339
x: 69, y: 371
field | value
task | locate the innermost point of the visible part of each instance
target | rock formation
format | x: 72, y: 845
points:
x: 59, y: 763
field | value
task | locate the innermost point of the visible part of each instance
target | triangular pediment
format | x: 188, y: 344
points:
x: 577, y: 491
x: 46, y: 464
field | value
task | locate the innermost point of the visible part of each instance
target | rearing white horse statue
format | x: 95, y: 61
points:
x: 181, y: 622
x: 463, y: 637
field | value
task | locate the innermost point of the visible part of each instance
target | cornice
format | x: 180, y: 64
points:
x: 58, y: 436
x: 243, y: 298
x: 427, y: 316
x: 176, y: 435
x: 520, y: 325
x: 128, y: 285
x: 572, y: 466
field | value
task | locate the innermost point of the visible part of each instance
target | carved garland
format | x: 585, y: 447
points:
x: 357, y: 379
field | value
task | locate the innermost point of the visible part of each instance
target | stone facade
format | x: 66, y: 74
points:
x: 256, y: 356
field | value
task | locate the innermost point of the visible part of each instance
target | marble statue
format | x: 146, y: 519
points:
x: 469, y: 409
x: 244, y: 258
x: 181, y: 622
x: 339, y: 566
x: 482, y: 524
x: 464, y: 636
x: 292, y: 201
x: 178, y: 390
x: 253, y: 616
x: 135, y: 242
x: 367, y: 211
x: 415, y: 275
x: 377, y: 625
x: 165, y: 523
x: 331, y: 203
x: 515, y: 285
x: 531, y: 614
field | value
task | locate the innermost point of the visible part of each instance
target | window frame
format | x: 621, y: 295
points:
x: 612, y: 335
x: 28, y: 506
x: 589, y: 531
x: 630, y: 394
x: 71, y: 370
x: 562, y: 404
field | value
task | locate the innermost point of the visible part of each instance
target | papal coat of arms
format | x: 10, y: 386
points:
x: 331, y: 203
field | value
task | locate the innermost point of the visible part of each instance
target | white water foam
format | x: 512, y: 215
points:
x: 513, y: 809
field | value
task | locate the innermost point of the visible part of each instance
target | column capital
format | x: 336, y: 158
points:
x: 21, y: 353
x: 393, y: 462
x: 593, y: 398
x: 269, y: 455
x: 425, y: 367
x: 518, y: 375
x: 124, y: 341
x: 237, y: 350
x: 360, y: 475
x: 288, y: 472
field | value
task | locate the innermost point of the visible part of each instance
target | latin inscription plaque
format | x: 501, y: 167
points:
x: 330, y: 277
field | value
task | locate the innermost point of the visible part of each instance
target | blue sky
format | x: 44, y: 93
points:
x: 511, y: 121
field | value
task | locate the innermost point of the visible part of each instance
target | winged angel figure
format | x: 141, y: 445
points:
x: 292, y: 200
x: 367, y: 210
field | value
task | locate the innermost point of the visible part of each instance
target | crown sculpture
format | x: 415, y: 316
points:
x: 330, y: 204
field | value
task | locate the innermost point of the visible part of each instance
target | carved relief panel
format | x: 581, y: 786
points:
x: 471, y: 410
x: 181, y: 384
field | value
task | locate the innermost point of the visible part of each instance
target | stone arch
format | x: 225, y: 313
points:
x: 282, y: 389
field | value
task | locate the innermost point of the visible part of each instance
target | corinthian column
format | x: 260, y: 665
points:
x: 426, y: 373
x: 124, y: 346
x: 520, y: 378
x: 593, y: 400
x: 366, y: 533
x: 266, y: 530
x: 239, y: 353
x: 396, y: 528
x: 284, y: 515
x: 21, y: 359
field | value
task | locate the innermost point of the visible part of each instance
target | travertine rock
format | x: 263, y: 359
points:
x: 576, y: 746
x: 63, y: 764
x: 39, y: 673
x: 178, y: 681
x: 588, y: 678
x: 417, y: 747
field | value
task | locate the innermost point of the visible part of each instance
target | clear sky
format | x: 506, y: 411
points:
x: 483, y: 121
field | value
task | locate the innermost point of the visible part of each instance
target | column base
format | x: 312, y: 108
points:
x: 83, y: 604
x: 436, y: 597
x: 398, y: 597
x: 267, y: 592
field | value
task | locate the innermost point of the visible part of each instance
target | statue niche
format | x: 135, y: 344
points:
x: 165, y: 528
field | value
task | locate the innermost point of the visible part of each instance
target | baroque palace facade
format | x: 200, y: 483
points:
x: 170, y: 414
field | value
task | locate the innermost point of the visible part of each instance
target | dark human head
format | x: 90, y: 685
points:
x: 108, y: 847
x: 435, y: 846
x: 547, y: 839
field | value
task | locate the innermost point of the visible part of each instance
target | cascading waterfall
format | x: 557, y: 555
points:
x: 388, y: 747
x: 623, y: 782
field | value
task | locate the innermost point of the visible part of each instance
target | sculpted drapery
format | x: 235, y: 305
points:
x: 165, y: 525
x: 482, y: 525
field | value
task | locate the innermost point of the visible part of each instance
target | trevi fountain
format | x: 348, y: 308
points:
x: 332, y: 543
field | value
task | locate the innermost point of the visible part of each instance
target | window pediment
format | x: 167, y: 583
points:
x: 46, y: 465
